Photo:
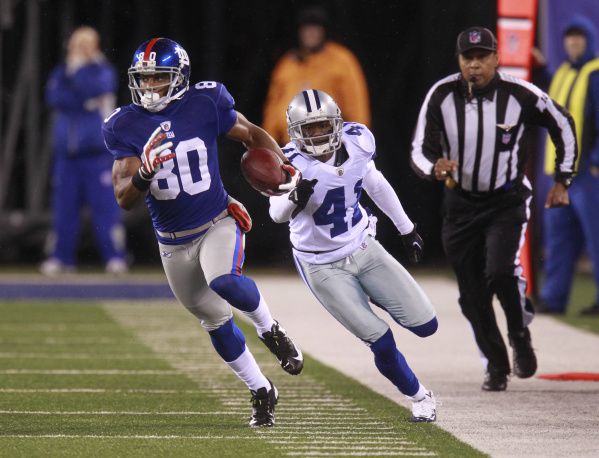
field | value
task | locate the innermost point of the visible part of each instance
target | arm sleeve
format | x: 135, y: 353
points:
x: 592, y: 116
x: 354, y: 90
x: 559, y: 123
x: 225, y: 106
x: 281, y: 208
x: 383, y: 195
x: 113, y: 142
x: 427, y: 142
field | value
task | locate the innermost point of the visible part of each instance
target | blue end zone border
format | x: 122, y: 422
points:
x: 84, y: 290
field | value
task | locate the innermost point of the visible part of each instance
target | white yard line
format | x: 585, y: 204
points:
x: 95, y: 390
x: 106, y: 412
x: 87, y: 372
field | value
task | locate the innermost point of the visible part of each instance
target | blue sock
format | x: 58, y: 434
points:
x: 238, y: 290
x: 426, y: 329
x: 228, y: 341
x: 392, y: 364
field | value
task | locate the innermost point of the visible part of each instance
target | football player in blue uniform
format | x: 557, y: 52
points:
x: 200, y: 229
x: 333, y: 241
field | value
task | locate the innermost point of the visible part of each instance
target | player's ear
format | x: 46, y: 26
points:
x: 496, y: 57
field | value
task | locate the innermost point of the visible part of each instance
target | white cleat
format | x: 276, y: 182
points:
x: 424, y: 410
x: 117, y: 267
x: 52, y: 267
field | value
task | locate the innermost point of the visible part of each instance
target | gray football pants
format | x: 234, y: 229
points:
x: 345, y: 287
x: 191, y: 267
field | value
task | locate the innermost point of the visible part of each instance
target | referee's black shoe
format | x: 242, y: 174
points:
x: 280, y: 344
x: 495, y: 380
x: 525, y: 360
x: 263, y: 406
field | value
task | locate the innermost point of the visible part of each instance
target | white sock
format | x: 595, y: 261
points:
x: 261, y: 317
x: 419, y: 396
x: 246, y: 368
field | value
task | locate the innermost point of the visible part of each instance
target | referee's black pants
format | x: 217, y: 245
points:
x: 482, y: 237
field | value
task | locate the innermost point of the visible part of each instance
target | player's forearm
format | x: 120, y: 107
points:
x: 125, y: 192
x: 281, y: 208
x: 127, y: 195
x: 262, y: 139
x: 383, y: 195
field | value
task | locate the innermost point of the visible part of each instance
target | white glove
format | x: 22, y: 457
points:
x: 294, y: 177
x: 151, y: 157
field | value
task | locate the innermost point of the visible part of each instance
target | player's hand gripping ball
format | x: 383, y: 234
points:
x: 264, y: 171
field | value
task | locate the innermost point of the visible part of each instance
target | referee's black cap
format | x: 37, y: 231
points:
x: 476, y: 38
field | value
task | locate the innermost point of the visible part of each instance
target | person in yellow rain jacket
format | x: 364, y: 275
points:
x: 320, y: 64
x: 568, y: 230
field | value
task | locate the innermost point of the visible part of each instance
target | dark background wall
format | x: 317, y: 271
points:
x: 404, y: 47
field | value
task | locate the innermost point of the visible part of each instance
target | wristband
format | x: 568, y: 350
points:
x: 139, y: 182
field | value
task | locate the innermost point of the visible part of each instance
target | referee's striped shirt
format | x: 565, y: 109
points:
x: 487, y: 133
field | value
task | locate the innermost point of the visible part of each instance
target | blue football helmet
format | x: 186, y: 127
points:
x: 159, y: 55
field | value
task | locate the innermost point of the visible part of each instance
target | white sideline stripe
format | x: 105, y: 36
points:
x: 104, y: 412
x: 345, y: 442
x: 352, y: 428
x: 394, y: 453
x: 316, y: 423
x: 98, y: 436
x: 94, y: 390
x: 351, y: 447
x: 88, y: 372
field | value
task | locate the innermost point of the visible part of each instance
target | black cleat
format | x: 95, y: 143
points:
x: 288, y: 354
x: 494, y: 380
x: 525, y: 360
x: 263, y: 406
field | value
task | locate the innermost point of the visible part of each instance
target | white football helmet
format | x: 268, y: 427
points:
x: 309, y: 107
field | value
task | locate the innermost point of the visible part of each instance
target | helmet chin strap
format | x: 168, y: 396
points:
x: 151, y: 101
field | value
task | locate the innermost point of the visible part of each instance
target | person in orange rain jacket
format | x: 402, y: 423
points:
x: 318, y: 63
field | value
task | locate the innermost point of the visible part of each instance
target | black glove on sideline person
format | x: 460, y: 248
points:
x: 413, y: 245
x: 301, y: 193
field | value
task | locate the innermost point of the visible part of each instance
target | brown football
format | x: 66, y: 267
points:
x: 261, y: 168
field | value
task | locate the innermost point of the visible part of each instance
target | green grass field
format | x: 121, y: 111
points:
x: 582, y: 296
x: 117, y: 379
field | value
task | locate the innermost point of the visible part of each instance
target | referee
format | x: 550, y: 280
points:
x: 473, y: 133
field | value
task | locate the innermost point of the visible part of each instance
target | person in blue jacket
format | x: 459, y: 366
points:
x: 81, y: 91
x: 568, y: 230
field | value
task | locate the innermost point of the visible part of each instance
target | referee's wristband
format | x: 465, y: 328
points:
x: 140, y: 182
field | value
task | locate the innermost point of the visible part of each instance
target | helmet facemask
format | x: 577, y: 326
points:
x: 321, y: 143
x: 315, y: 107
x: 149, y: 97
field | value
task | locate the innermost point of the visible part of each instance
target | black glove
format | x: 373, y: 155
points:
x: 413, y: 245
x: 301, y: 193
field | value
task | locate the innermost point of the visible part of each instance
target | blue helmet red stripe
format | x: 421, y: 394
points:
x: 149, y: 48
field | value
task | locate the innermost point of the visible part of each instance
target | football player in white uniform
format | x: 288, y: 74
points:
x: 333, y: 241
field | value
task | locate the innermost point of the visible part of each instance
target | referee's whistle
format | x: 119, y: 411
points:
x: 450, y: 183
